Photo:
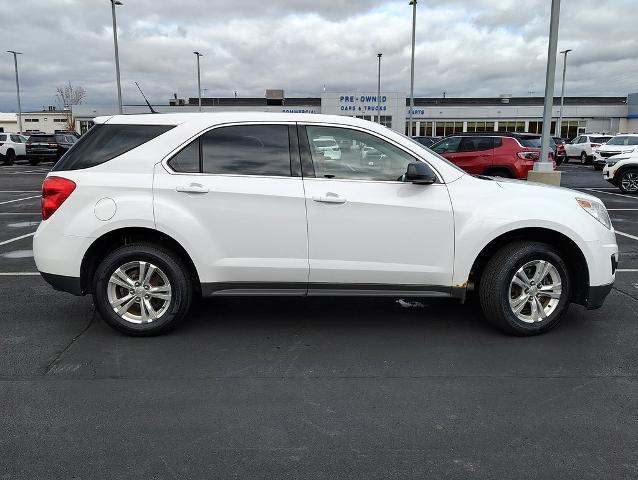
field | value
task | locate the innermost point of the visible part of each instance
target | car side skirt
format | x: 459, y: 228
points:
x: 327, y: 289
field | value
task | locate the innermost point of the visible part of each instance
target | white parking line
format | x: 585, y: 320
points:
x: 610, y: 193
x: 633, y: 237
x: 622, y: 209
x: 19, y: 191
x: 19, y: 199
x: 24, y: 274
x: 624, y: 270
x: 20, y: 213
x: 30, y: 235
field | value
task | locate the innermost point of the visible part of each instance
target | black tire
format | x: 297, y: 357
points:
x: 583, y: 158
x: 495, y: 287
x: 10, y: 157
x: 629, y: 176
x: 559, y: 161
x: 169, y: 264
x: 500, y: 172
x: 33, y: 162
x: 598, y: 166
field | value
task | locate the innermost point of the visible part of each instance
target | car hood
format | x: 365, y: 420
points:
x: 532, y: 189
x: 616, y: 148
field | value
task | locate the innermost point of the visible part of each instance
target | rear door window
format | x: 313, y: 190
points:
x: 531, y: 142
x: 447, y: 145
x: 475, y: 144
x: 247, y: 150
x: 105, y: 142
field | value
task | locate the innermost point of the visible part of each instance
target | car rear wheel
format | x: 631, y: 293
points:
x: 583, y: 158
x: 525, y: 288
x: 628, y: 181
x: 10, y: 157
x: 142, y: 289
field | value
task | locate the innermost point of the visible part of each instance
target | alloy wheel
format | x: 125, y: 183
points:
x: 139, y: 292
x: 535, y: 291
x: 629, y: 182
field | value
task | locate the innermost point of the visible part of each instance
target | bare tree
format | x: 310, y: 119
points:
x: 67, y: 96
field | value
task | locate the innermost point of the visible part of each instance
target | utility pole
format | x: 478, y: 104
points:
x: 117, y: 55
x: 199, y: 83
x: 379, y: 90
x: 413, y: 3
x: 562, y: 94
x: 15, y: 63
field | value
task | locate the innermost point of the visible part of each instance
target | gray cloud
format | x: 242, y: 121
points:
x: 465, y: 47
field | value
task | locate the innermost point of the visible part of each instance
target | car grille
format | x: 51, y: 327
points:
x: 608, y: 154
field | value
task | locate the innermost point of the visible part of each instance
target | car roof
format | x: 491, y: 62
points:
x: 215, y: 118
x: 496, y: 134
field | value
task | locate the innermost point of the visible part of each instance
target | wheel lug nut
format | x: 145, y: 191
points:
x: 147, y: 296
x: 146, y: 287
x: 137, y: 284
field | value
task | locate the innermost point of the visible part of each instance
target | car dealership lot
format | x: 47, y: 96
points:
x: 294, y: 388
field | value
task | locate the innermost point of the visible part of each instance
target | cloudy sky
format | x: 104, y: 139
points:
x: 465, y: 47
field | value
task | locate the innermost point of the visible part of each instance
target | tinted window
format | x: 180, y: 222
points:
x: 623, y: 140
x: 41, y: 139
x: 247, y: 150
x: 475, y: 144
x: 600, y: 139
x: 187, y: 159
x: 3, y: 138
x: 369, y: 158
x: 105, y: 142
x: 531, y: 141
x: 16, y: 138
x: 447, y: 145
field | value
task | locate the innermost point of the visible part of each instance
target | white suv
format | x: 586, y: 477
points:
x: 146, y: 211
x: 582, y: 147
x: 622, y: 170
x: 12, y: 147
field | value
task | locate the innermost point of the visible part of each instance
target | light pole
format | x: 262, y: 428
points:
x: 413, y: 3
x: 379, y: 55
x: 544, y: 165
x: 199, y: 84
x: 117, y: 55
x: 562, y: 94
x: 15, y: 63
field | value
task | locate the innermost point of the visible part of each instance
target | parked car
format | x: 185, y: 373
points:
x: 621, y: 170
x: 146, y: 211
x: 12, y: 147
x: 328, y: 147
x: 582, y: 147
x: 502, y: 154
x: 559, y: 150
x: 426, y: 141
x: 48, y: 147
x: 68, y: 132
x: 620, y: 144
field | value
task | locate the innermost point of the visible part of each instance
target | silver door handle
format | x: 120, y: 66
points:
x: 192, y: 188
x: 329, y: 198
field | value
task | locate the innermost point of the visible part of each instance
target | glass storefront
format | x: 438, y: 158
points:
x: 478, y: 126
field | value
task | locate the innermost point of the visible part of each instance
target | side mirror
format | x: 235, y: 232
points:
x: 420, y: 174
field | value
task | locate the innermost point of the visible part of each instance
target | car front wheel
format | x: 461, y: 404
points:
x: 525, y: 288
x: 583, y: 158
x: 628, y: 181
x: 142, y: 289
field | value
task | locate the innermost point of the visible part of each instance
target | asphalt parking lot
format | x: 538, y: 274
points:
x: 312, y: 388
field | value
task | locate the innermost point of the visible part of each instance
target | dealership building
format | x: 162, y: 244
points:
x: 431, y: 116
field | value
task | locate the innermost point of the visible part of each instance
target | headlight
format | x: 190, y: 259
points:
x: 628, y: 151
x: 596, y: 210
x: 611, y: 163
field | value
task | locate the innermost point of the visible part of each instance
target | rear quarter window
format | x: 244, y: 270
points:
x: 105, y: 142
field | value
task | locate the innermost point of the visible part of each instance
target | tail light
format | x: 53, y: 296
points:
x: 55, y: 190
x: 594, y: 145
x: 529, y: 155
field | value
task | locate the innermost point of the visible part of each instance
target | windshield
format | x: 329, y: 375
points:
x: 623, y: 140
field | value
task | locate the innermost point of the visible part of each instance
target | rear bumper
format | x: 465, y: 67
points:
x: 596, y: 296
x: 63, y: 283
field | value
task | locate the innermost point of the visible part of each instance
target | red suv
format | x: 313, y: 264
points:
x: 502, y: 154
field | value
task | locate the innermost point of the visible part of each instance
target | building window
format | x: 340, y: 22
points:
x: 478, y: 126
x: 505, y: 126
x: 59, y: 120
x: 386, y: 121
x: 448, y: 128
x: 571, y: 128
x: 537, y: 127
x: 85, y: 125
x: 28, y: 120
